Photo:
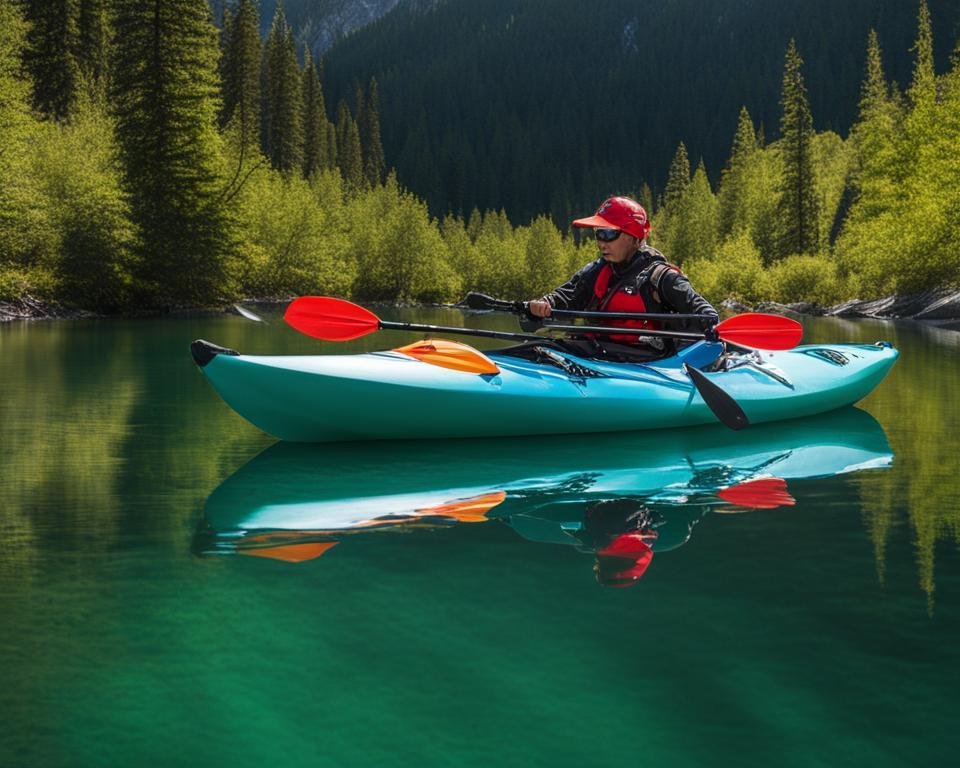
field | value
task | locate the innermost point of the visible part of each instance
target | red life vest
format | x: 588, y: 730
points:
x: 623, y: 301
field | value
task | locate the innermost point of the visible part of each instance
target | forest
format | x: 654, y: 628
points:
x: 151, y: 160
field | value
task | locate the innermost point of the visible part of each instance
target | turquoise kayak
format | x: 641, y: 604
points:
x: 294, y: 501
x: 399, y: 394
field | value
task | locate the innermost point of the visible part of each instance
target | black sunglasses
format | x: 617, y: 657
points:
x: 606, y: 235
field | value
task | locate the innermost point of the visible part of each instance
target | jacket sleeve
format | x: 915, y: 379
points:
x: 576, y: 292
x: 680, y: 296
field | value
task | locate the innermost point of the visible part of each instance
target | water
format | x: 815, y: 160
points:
x: 137, y: 629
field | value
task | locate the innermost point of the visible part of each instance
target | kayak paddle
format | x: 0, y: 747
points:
x: 724, y: 407
x: 760, y: 331
x: 761, y: 493
x: 474, y: 300
x: 331, y: 319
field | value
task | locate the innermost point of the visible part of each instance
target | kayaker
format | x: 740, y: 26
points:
x: 622, y: 533
x: 629, y: 276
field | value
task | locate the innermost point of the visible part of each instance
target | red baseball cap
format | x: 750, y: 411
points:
x: 619, y: 213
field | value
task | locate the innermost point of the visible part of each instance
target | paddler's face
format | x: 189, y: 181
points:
x: 619, y: 250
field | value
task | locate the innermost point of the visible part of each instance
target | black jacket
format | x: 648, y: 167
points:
x: 669, y: 291
x: 662, y: 290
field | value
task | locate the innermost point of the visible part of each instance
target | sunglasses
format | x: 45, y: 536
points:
x: 606, y: 235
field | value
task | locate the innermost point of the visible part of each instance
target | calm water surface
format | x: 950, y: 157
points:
x: 151, y: 612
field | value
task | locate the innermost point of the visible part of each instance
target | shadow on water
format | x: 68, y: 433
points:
x: 619, y: 498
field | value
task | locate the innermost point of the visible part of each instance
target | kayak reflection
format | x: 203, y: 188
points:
x: 621, y: 498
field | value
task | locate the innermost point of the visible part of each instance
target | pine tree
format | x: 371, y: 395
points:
x: 284, y: 98
x: 368, y: 123
x: 678, y: 178
x: 349, y: 155
x: 92, y: 37
x: 797, y: 208
x: 875, y: 134
x: 645, y: 198
x: 735, y: 181
x: 51, y: 55
x: 879, y: 176
x: 241, y: 73
x: 166, y: 102
x: 693, y: 221
x: 315, y: 143
x: 923, y: 87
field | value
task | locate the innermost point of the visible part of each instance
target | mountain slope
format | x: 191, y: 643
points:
x: 548, y: 105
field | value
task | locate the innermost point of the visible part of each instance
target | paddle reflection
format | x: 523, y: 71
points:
x: 619, y: 498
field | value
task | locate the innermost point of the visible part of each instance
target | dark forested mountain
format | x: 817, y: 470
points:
x: 548, y: 105
x: 318, y: 23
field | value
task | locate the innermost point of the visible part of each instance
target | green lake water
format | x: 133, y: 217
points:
x: 138, y: 628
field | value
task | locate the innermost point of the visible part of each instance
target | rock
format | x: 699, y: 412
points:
x: 946, y: 307
x: 938, y: 304
x: 735, y: 306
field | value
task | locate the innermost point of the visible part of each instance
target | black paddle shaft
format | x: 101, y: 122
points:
x: 574, y: 329
x: 475, y: 300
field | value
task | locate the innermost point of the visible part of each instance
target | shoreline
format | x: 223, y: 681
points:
x: 939, y: 308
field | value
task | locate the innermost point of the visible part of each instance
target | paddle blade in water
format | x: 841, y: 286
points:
x: 764, y: 493
x: 472, y: 510
x: 330, y: 319
x: 724, y: 407
x: 248, y: 314
x: 761, y: 331
x: 450, y: 354
x: 291, y: 553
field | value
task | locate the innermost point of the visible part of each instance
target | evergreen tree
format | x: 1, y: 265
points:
x: 678, y: 178
x: 284, y: 98
x: 241, y: 74
x: 875, y: 136
x: 923, y: 87
x: 645, y: 198
x: 368, y: 123
x: 332, y: 153
x: 735, y: 182
x: 51, y: 55
x: 797, y: 208
x: 165, y: 97
x: 92, y: 37
x: 315, y: 142
x: 693, y: 221
x: 349, y: 155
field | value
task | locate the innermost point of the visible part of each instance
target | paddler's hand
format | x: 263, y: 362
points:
x: 539, y: 308
x: 709, y: 325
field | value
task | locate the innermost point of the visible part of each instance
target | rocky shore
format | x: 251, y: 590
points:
x: 939, y: 307
x: 28, y: 308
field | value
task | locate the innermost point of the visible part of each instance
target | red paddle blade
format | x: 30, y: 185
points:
x: 765, y: 493
x: 330, y: 319
x: 773, y: 332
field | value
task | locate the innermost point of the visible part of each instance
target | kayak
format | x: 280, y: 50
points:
x: 400, y: 394
x: 295, y: 501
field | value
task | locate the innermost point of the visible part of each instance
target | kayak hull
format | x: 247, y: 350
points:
x: 388, y: 395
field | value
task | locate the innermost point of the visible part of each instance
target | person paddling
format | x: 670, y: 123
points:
x: 629, y: 276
